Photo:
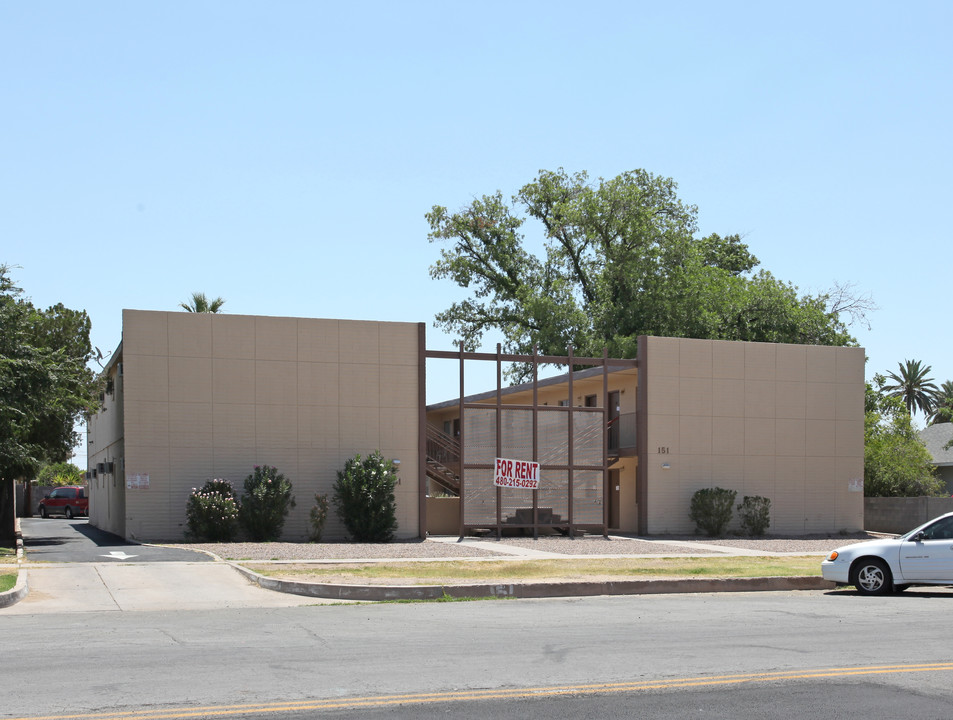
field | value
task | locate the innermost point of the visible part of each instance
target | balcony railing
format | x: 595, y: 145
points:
x: 622, y: 433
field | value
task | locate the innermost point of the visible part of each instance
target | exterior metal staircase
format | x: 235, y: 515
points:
x: 443, y: 460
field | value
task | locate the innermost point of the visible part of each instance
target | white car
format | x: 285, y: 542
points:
x: 924, y: 556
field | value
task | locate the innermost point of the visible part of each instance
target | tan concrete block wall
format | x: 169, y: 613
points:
x: 105, y: 444
x: 781, y: 421
x: 214, y: 395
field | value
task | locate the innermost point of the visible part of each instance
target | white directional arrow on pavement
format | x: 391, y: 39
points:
x: 118, y: 555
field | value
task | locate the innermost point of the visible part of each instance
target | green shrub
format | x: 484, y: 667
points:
x: 212, y: 512
x: 319, y: 514
x: 364, y: 498
x: 265, y: 503
x: 58, y: 474
x: 755, y: 512
x: 711, y: 509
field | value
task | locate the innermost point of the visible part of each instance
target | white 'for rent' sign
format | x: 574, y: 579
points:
x: 522, y: 474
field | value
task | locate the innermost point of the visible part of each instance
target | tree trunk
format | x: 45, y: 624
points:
x: 8, y: 522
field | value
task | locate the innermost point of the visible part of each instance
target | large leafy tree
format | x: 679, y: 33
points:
x: 896, y: 462
x: 618, y: 258
x: 912, y: 386
x: 201, y: 303
x: 45, y: 387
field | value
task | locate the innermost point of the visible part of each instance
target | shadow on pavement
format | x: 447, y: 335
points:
x: 101, y: 537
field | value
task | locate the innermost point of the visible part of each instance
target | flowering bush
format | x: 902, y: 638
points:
x: 364, y: 498
x: 212, y: 512
x: 319, y: 514
x: 265, y: 503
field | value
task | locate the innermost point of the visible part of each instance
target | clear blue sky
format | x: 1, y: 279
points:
x: 282, y: 155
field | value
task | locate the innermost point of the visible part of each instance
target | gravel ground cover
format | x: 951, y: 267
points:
x: 598, y: 545
x: 808, y: 544
x: 416, y: 549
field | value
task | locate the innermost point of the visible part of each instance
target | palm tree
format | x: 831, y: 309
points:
x: 912, y: 385
x: 942, y: 411
x: 200, y: 303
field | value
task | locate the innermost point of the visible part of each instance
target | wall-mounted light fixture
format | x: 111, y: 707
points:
x: 666, y: 466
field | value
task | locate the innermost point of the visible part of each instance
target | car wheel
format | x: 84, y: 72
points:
x: 872, y: 577
x: 43, y: 512
x: 69, y: 513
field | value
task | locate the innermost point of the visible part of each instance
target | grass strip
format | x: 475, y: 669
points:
x: 557, y: 570
x: 8, y: 578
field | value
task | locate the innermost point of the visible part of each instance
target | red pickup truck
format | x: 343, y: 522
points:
x: 69, y: 501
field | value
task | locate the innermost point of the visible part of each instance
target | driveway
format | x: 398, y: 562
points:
x: 76, y: 541
x: 73, y: 567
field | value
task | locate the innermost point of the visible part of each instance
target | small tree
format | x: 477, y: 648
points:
x: 265, y: 503
x: 61, y: 473
x: 896, y: 462
x: 212, y: 512
x: 755, y: 514
x: 364, y: 498
x: 319, y: 515
x: 711, y: 509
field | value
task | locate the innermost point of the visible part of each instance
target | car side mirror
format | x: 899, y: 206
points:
x: 46, y: 495
x: 918, y: 537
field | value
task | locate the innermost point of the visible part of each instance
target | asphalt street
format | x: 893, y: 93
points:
x: 830, y: 654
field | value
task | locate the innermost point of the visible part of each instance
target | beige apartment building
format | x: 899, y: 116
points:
x: 194, y: 396
x: 622, y: 445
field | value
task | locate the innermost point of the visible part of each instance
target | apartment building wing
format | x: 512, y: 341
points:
x: 778, y: 421
x: 194, y: 396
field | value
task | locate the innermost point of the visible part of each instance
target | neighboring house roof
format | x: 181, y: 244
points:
x: 935, y: 437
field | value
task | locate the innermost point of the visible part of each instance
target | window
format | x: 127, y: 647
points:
x: 940, y: 530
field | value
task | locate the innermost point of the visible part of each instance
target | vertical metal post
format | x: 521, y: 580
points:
x: 571, y: 454
x: 422, y: 430
x: 642, y: 434
x: 463, y: 472
x: 499, y: 437
x: 606, y: 491
x: 535, y: 436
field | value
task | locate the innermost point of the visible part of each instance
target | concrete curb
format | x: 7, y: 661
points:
x: 19, y: 591
x: 533, y: 590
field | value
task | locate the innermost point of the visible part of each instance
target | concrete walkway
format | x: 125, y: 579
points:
x: 130, y: 587
x: 690, y: 547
